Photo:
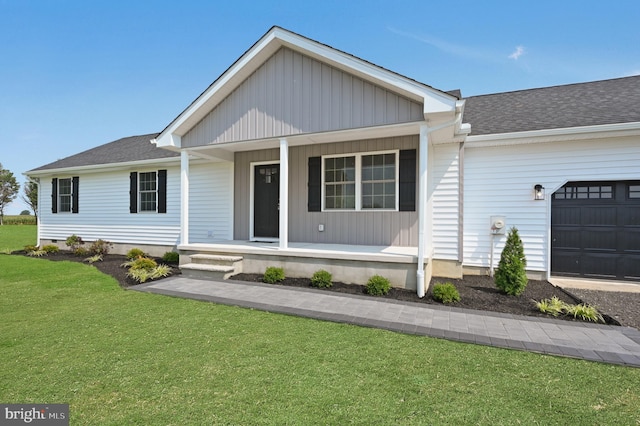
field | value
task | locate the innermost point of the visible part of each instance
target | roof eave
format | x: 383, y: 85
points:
x: 95, y: 168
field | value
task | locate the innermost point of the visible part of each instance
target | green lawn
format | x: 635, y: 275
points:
x: 69, y: 334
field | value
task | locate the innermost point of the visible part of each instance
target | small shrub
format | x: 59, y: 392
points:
x: 171, y: 257
x: 584, y: 312
x: 143, y: 263
x: 135, y: 253
x: 321, y: 279
x: 378, y: 285
x: 101, y: 247
x: 37, y: 253
x: 446, y: 293
x: 94, y: 258
x: 30, y: 247
x: 142, y: 270
x: 51, y: 248
x: 553, y: 306
x: 74, y: 242
x: 273, y: 275
x: 510, y: 276
x: 80, y: 252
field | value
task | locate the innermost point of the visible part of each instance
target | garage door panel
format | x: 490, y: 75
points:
x: 599, y: 239
x: 631, y: 266
x: 599, y: 216
x: 566, y: 216
x: 630, y: 240
x: 567, y: 263
x: 599, y: 265
x: 565, y: 238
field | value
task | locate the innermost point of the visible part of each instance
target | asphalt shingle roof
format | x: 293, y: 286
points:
x: 134, y: 148
x: 572, y: 105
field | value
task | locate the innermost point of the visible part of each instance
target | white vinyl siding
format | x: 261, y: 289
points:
x: 104, y: 198
x: 210, y: 202
x: 499, y: 180
x: 445, y: 184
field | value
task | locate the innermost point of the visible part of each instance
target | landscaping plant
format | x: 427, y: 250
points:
x: 445, y: 293
x: 378, y: 285
x: 321, y: 279
x: 273, y: 275
x: 582, y: 311
x: 135, y: 253
x: 171, y: 257
x: 74, y: 242
x: 510, y: 276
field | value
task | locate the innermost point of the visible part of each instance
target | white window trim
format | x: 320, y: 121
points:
x: 358, y: 182
x: 60, y: 195
x: 139, y: 195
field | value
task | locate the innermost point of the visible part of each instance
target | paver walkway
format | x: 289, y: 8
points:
x: 594, y: 342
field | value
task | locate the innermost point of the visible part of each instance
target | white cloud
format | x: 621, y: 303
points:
x: 517, y: 53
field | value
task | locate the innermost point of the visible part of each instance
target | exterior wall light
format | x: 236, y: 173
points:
x: 538, y: 192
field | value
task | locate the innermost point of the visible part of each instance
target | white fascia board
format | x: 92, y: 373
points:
x: 554, y: 135
x: 97, y: 168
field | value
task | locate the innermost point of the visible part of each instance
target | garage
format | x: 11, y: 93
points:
x: 595, y: 230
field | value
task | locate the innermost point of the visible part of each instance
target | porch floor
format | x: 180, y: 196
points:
x: 310, y: 250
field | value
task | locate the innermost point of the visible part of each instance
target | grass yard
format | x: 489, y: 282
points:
x: 69, y: 334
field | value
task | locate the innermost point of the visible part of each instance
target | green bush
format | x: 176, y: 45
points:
x: 143, y: 275
x: 273, y: 275
x: 94, y: 258
x: 73, y: 242
x: 445, y: 293
x: 511, y: 277
x: 135, y: 253
x: 142, y: 263
x: 555, y: 307
x: 378, y: 285
x: 30, y: 248
x: 80, y: 251
x: 51, y: 248
x: 100, y: 247
x: 171, y: 257
x: 321, y: 279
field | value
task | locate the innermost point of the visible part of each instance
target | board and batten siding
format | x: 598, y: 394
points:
x: 210, y: 202
x: 499, y: 180
x: 104, y: 211
x: 359, y: 228
x: 293, y: 94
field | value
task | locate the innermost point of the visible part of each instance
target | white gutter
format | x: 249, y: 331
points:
x: 423, y: 195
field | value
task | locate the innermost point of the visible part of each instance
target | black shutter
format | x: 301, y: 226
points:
x: 407, y: 180
x: 75, y: 181
x: 133, y: 192
x: 54, y: 195
x: 162, y: 191
x: 315, y: 184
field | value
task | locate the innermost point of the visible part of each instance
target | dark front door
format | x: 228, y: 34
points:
x: 266, y: 199
x: 595, y: 230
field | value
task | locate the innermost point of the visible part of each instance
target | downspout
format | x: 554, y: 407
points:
x: 423, y: 195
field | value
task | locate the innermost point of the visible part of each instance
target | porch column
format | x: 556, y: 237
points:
x: 423, y: 181
x: 184, y: 197
x: 284, y: 194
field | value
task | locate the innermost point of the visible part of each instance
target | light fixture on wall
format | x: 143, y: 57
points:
x: 538, y: 192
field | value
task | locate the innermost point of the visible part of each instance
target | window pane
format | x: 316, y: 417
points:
x: 340, y: 176
x: 64, y: 195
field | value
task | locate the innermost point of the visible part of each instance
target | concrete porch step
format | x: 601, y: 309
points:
x: 212, y: 266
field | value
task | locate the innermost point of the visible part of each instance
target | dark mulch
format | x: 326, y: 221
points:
x: 476, y: 292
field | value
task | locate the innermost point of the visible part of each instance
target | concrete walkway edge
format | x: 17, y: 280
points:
x: 593, y: 342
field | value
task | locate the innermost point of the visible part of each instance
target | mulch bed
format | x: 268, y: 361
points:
x: 476, y: 292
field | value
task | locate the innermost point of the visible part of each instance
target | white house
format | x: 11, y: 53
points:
x: 306, y: 157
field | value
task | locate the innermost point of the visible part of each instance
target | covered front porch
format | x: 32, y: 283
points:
x: 353, y: 264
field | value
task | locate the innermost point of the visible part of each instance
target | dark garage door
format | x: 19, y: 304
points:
x: 595, y: 230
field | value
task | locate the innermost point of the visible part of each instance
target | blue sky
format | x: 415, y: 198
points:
x: 77, y: 74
